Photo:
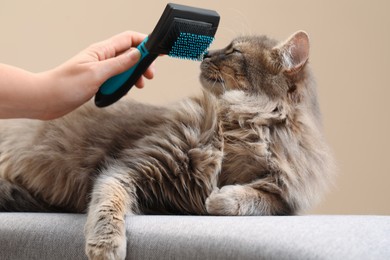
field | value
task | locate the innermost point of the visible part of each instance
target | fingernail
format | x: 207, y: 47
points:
x: 134, y: 54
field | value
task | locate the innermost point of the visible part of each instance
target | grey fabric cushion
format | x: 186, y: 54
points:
x: 60, y: 236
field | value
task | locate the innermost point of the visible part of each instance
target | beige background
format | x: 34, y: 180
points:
x: 350, y: 55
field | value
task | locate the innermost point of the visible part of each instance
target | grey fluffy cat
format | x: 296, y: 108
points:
x: 250, y: 144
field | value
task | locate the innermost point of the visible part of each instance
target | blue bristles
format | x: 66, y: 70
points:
x: 190, y: 46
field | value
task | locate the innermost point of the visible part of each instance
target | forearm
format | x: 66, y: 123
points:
x: 56, y: 92
x: 21, y: 93
x: 45, y: 95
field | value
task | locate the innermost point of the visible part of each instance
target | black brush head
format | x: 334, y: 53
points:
x: 183, y: 31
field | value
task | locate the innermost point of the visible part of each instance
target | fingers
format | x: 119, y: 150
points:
x: 140, y: 82
x: 149, y: 74
x: 114, y: 66
x: 124, y: 41
x: 117, y: 44
x: 118, y: 54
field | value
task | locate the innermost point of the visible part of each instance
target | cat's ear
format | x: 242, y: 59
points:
x: 292, y: 54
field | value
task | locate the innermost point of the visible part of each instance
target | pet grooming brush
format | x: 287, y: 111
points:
x: 182, y: 32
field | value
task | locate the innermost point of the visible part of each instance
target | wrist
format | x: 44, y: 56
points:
x: 58, y: 94
x: 44, y: 101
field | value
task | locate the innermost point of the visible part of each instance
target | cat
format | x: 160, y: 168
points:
x: 250, y: 144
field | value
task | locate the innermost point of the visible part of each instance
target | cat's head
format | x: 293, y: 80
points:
x: 257, y: 65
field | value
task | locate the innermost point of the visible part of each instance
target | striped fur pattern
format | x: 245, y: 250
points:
x: 250, y: 144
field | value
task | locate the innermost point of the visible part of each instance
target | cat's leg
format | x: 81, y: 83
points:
x: 15, y: 198
x: 113, y: 196
x: 259, y: 198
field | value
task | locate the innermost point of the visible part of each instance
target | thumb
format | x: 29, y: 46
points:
x: 119, y: 64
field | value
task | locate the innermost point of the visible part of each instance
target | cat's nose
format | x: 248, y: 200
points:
x: 206, y: 55
x: 209, y: 54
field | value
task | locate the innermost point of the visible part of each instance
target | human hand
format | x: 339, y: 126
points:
x: 77, y: 80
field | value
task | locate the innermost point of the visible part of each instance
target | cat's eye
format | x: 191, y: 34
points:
x: 231, y: 50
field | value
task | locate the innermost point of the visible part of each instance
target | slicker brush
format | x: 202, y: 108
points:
x: 182, y: 32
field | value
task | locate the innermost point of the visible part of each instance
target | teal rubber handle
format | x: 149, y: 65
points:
x: 114, y: 83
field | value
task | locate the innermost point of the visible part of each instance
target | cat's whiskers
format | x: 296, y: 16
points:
x: 228, y: 31
x: 222, y: 82
x: 245, y: 23
x: 233, y: 78
x: 214, y: 83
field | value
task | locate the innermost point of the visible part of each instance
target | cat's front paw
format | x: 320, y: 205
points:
x: 227, y: 201
x: 106, y: 249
